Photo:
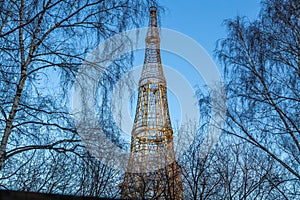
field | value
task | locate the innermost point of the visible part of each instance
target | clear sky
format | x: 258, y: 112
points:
x: 202, y: 19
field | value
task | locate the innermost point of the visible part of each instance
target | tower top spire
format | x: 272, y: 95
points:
x: 152, y: 33
x: 153, y: 20
x: 152, y: 70
x: 152, y: 9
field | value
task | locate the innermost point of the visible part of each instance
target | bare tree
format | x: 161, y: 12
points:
x: 261, y: 60
x: 232, y: 170
x: 42, y: 45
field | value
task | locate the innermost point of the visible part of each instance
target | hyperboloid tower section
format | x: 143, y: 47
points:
x: 152, y: 171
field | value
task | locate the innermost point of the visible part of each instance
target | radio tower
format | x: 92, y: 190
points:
x: 152, y: 171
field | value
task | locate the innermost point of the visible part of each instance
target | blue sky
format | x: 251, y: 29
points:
x: 202, y: 19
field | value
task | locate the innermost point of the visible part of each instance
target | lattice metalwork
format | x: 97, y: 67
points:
x: 152, y: 169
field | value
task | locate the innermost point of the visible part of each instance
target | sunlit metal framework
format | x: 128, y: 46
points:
x: 152, y: 171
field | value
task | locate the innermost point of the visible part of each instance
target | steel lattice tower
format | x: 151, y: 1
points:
x: 152, y: 169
